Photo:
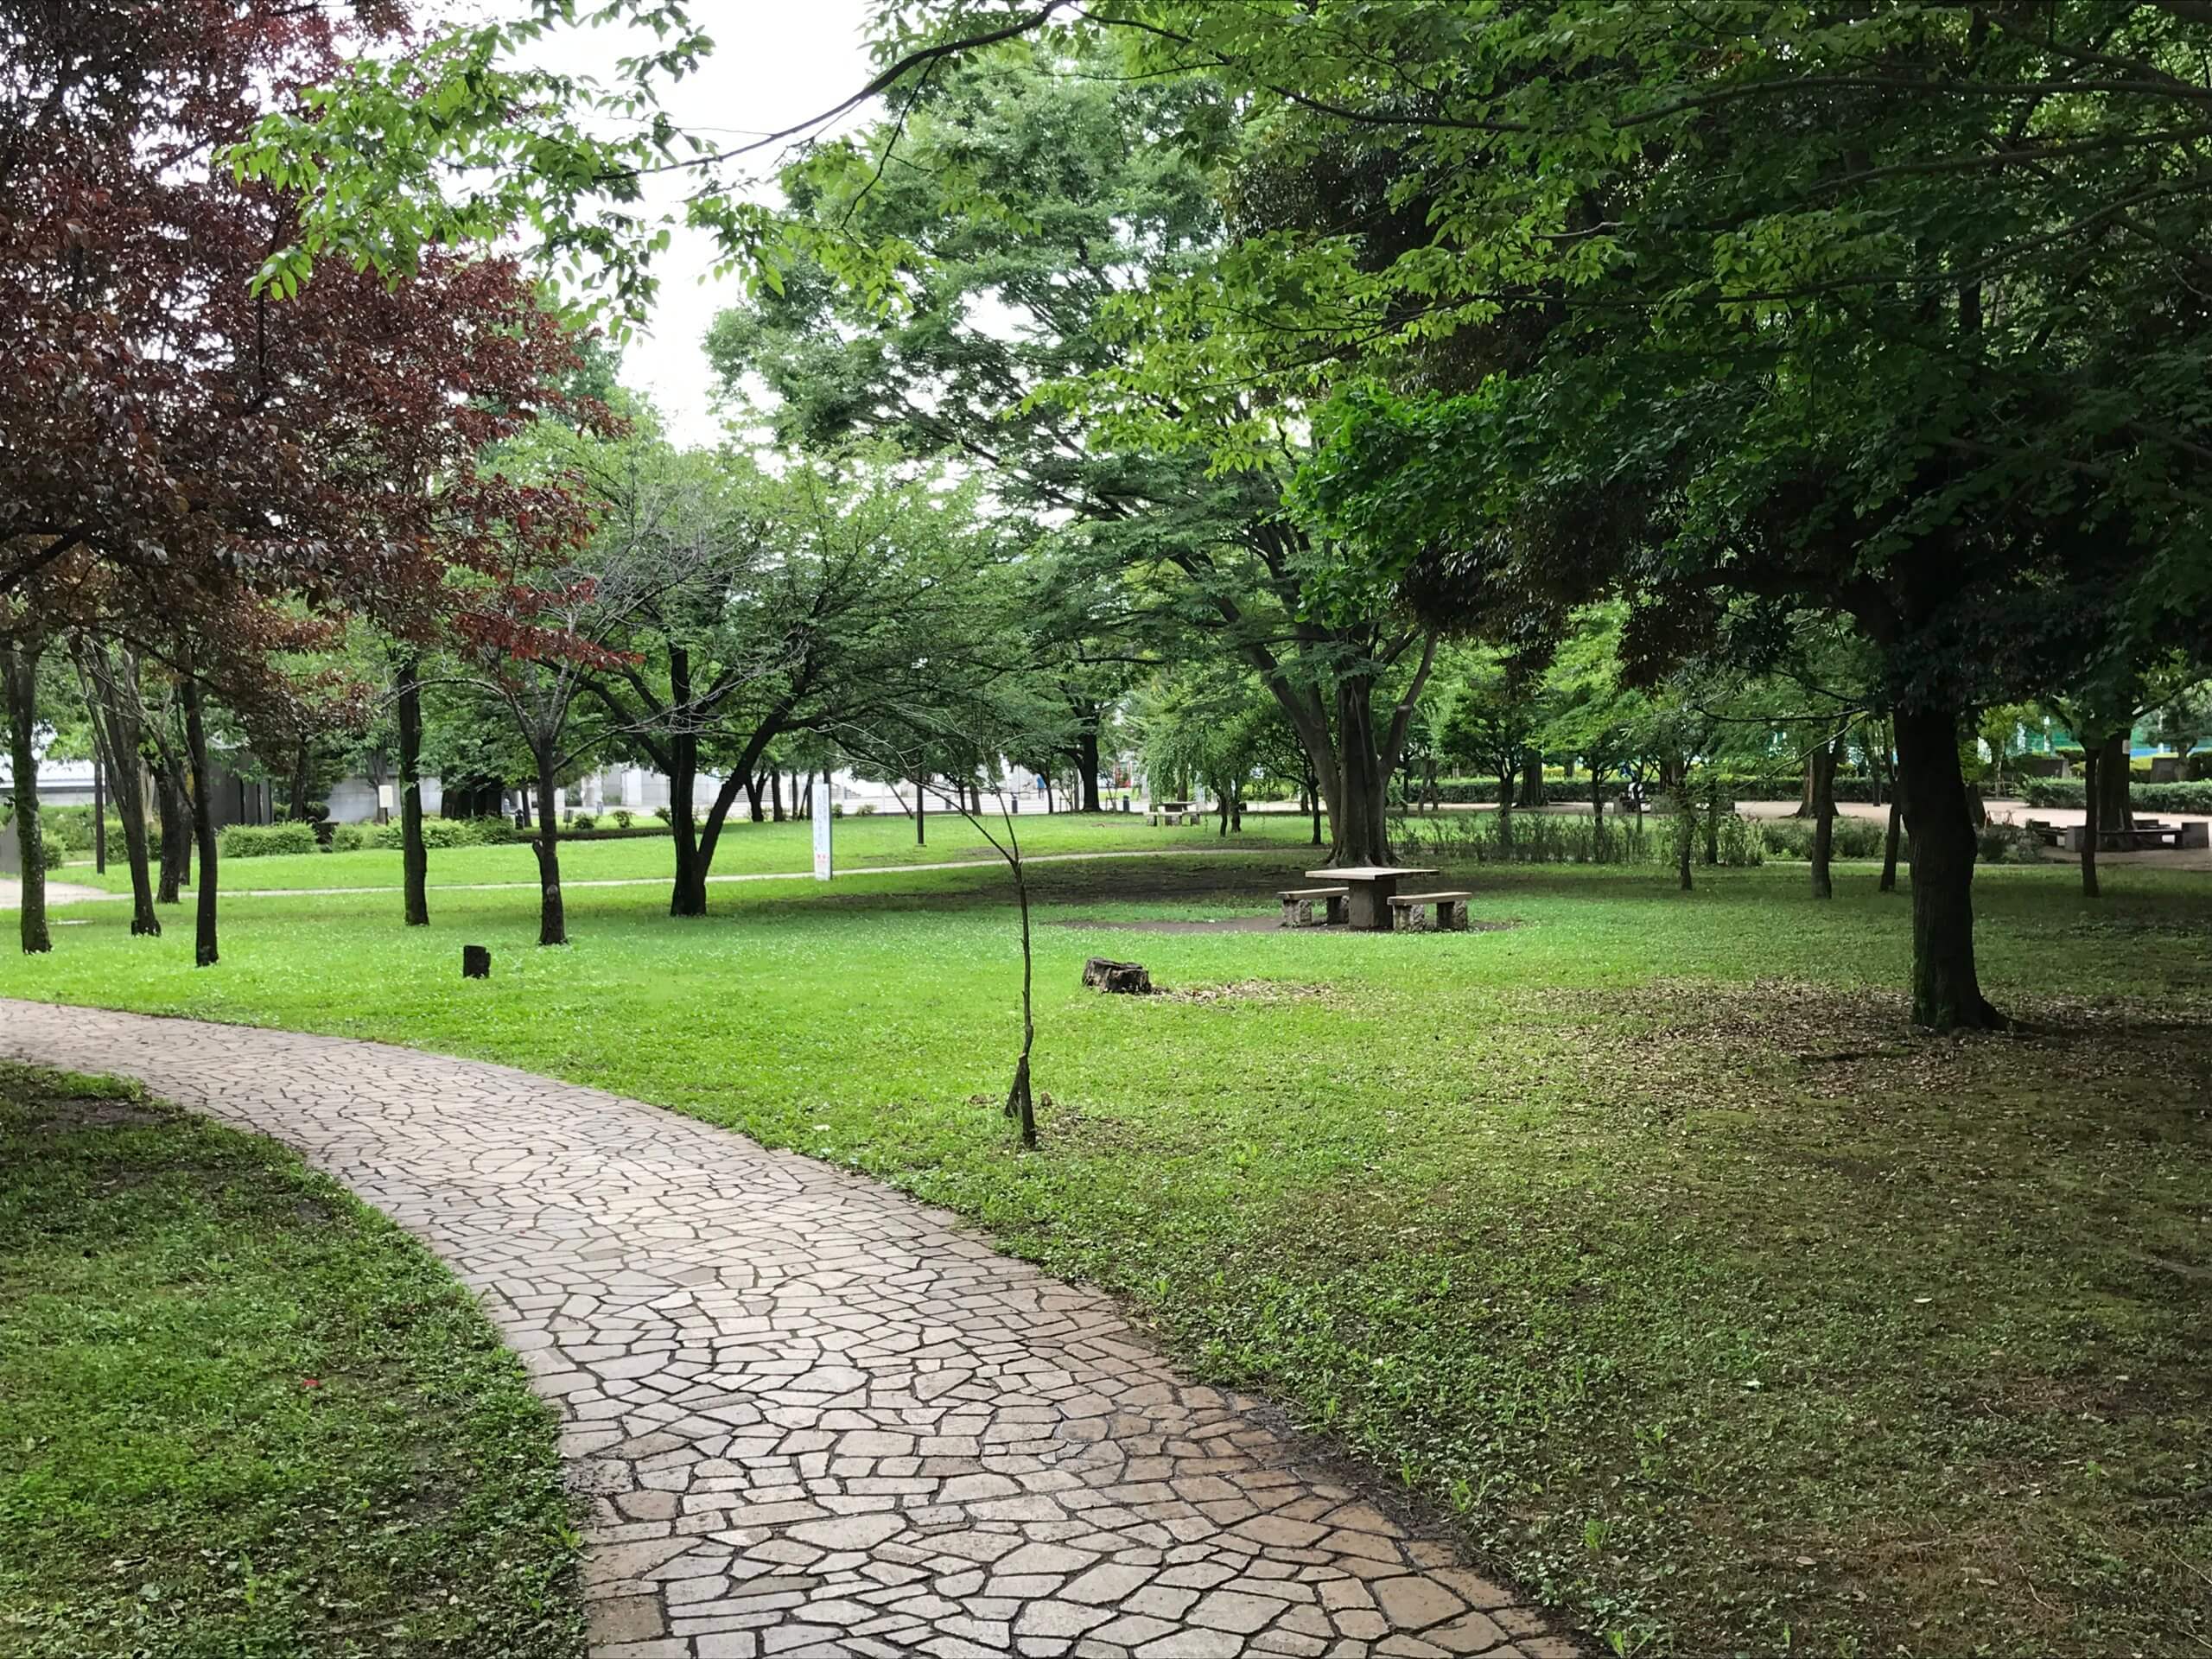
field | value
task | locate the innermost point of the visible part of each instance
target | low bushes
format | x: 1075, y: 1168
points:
x: 2145, y: 797
x: 1575, y: 791
x: 1791, y: 839
x: 267, y: 840
x: 1567, y: 838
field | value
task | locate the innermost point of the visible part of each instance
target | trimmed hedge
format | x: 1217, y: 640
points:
x: 2147, y: 797
x: 267, y: 840
x: 1734, y: 786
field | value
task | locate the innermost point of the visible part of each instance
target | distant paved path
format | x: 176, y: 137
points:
x: 57, y: 893
x: 814, y: 1417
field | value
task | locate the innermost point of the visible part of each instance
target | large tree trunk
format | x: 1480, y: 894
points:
x: 1889, y: 883
x: 19, y: 680
x: 302, y: 782
x: 1823, y: 763
x: 921, y: 811
x: 2114, y: 772
x: 688, y: 896
x: 1685, y: 833
x: 776, y: 793
x: 552, y: 914
x: 1946, y: 991
x: 1086, y: 763
x: 2093, y: 821
x: 752, y: 796
x: 413, y: 853
x: 175, y: 807
x: 111, y: 689
x: 1532, y: 777
x: 204, y: 953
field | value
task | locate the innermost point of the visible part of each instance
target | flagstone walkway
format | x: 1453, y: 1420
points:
x: 814, y: 1417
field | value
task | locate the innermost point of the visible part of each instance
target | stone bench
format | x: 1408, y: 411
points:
x: 1297, y: 906
x: 1174, y: 814
x: 1410, y: 910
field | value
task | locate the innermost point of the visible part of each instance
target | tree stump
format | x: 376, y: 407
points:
x: 1117, y: 978
x: 475, y: 961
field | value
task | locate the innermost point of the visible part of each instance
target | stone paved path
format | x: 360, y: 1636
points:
x: 814, y: 1417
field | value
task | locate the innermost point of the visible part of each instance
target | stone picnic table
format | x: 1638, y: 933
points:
x: 1369, y: 889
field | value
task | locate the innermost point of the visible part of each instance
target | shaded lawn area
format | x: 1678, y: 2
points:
x: 745, y: 849
x: 1643, y: 1235
x: 241, y: 1414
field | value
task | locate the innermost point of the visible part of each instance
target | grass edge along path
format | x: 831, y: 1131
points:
x: 1735, y: 1318
x: 242, y: 1413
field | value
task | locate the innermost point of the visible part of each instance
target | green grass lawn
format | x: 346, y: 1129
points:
x: 1642, y: 1236
x: 240, y: 1414
x: 745, y: 849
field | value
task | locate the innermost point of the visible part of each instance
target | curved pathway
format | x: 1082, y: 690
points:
x: 813, y: 1416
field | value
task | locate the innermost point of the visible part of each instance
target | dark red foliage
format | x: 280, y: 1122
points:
x: 217, y: 474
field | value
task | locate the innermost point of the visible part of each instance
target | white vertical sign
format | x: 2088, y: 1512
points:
x: 821, y: 828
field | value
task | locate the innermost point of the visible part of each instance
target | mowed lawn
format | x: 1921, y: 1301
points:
x: 240, y: 1414
x: 1640, y: 1235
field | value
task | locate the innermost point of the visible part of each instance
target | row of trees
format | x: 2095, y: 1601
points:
x: 1294, y: 342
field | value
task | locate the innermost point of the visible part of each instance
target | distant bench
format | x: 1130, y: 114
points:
x: 1297, y: 906
x: 1411, y: 911
x: 1173, y: 813
x: 2146, y: 833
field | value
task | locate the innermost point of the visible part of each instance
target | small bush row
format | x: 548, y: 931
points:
x: 2146, y: 797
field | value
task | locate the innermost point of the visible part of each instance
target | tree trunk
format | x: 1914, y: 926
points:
x: 1712, y: 819
x: 1532, y: 778
x: 19, y: 681
x: 1019, y: 1104
x: 921, y: 811
x: 1685, y: 833
x: 1597, y: 816
x: 99, y: 801
x: 552, y: 915
x: 413, y: 853
x: 1313, y: 801
x: 2093, y: 822
x: 1946, y: 991
x: 111, y: 689
x: 204, y: 953
x: 175, y: 806
x: 2115, y: 773
x: 1889, y: 883
x: 1823, y: 762
x: 1505, y: 814
x: 1086, y: 763
x: 776, y: 793
x: 753, y: 797
x: 1359, y: 807
x: 302, y: 774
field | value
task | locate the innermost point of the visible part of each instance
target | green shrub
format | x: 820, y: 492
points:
x: 865, y: 810
x: 348, y: 837
x: 266, y: 840
x: 1530, y: 838
x: 1999, y: 841
x: 438, y: 835
x: 1791, y: 839
x: 624, y: 817
x: 2194, y: 798
x: 664, y: 814
x: 581, y: 821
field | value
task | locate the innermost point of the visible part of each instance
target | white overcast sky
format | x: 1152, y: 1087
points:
x: 775, y: 64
